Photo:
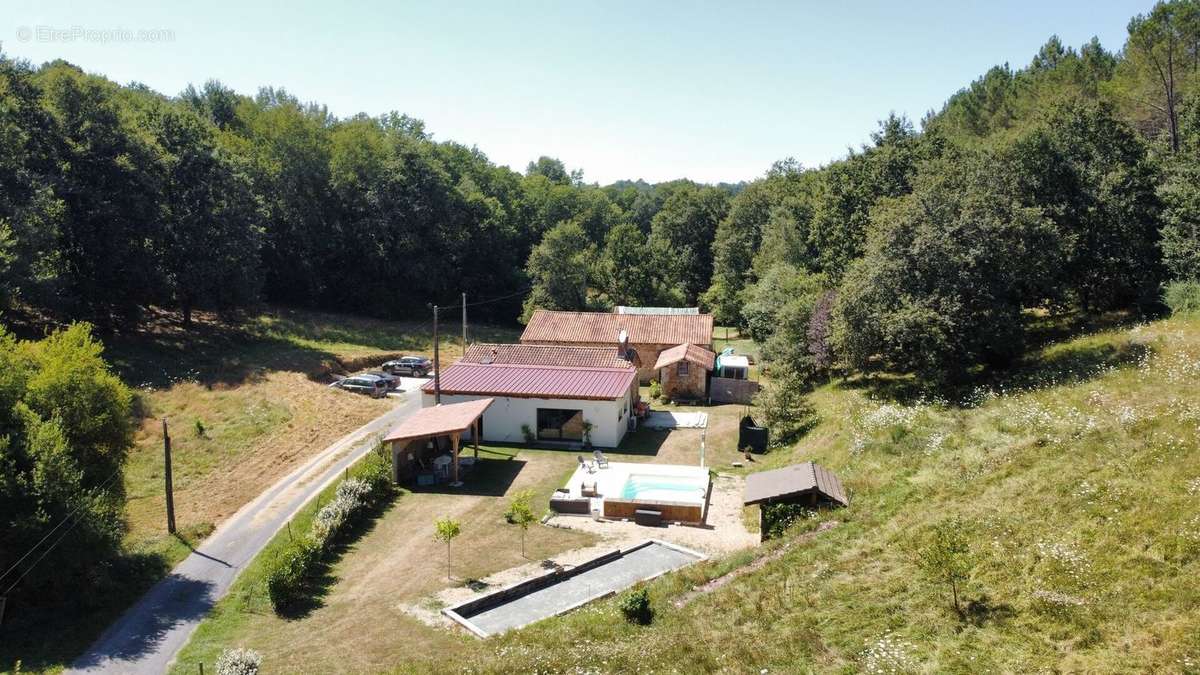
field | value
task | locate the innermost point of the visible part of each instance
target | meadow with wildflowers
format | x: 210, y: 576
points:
x: 1079, y: 479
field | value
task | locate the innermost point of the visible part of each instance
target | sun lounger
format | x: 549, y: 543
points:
x: 585, y: 464
x: 601, y: 460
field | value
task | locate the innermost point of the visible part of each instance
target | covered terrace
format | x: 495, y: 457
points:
x: 420, y: 441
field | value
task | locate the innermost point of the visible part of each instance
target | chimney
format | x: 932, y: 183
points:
x: 623, y: 344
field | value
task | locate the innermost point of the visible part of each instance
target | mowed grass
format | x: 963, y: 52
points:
x: 1078, y: 479
x: 360, y: 624
x: 245, y: 404
x: 258, y: 389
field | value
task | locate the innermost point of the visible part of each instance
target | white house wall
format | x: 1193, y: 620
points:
x: 503, y: 419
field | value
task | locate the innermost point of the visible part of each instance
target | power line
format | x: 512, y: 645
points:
x: 489, y: 300
x: 51, y: 532
x: 43, y: 555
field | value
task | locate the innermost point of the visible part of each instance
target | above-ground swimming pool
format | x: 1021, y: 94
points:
x: 652, y: 487
x: 677, y: 493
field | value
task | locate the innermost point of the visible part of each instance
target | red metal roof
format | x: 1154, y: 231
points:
x: 501, y: 379
x: 597, y: 327
x: 439, y: 420
x: 697, y: 355
x: 547, y: 355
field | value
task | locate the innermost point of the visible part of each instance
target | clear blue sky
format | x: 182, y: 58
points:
x: 657, y: 90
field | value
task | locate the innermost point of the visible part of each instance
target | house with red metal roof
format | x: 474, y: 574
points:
x: 648, y: 335
x: 540, y: 402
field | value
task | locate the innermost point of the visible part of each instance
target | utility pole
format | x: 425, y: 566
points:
x: 437, y: 366
x: 167, y: 476
x: 464, y: 324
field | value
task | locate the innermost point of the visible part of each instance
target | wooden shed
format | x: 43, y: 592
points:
x: 807, y: 484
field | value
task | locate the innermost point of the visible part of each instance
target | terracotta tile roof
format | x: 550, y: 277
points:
x: 780, y: 484
x: 689, y: 352
x: 438, y: 420
x: 592, y: 327
x: 600, y: 384
x: 547, y: 355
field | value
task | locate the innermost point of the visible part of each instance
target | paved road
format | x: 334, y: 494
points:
x: 149, y: 635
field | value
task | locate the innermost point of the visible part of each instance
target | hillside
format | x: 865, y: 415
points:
x: 247, y: 403
x: 1077, y: 477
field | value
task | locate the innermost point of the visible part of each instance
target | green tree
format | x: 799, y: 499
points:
x: 683, y: 230
x: 850, y: 189
x: 446, y: 530
x: 948, y: 270
x: 65, y: 430
x: 29, y: 209
x: 1161, y: 56
x: 1089, y: 173
x: 108, y: 185
x: 520, y: 513
x: 209, y: 237
x: 945, y: 556
x: 785, y: 406
x: 560, y: 268
x: 1180, y: 193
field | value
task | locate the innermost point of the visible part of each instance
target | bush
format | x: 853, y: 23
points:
x: 238, y: 662
x: 785, y: 408
x: 635, y: 607
x: 655, y: 390
x: 289, y: 571
x: 777, y: 518
x: 1183, y: 297
x: 527, y: 432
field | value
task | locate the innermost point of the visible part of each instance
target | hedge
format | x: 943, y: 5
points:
x: 289, y: 574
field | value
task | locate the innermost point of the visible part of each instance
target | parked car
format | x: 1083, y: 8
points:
x: 375, y: 387
x: 393, y: 381
x: 415, y: 366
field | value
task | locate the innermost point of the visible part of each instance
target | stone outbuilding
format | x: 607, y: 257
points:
x: 683, y: 371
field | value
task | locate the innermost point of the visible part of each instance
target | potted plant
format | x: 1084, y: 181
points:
x: 587, y: 434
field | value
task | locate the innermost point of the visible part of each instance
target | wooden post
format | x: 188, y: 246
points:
x: 478, y: 429
x: 437, y: 368
x: 167, y: 479
x: 454, y: 440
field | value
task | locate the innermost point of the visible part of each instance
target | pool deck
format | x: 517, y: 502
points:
x: 557, y: 592
x: 611, y: 481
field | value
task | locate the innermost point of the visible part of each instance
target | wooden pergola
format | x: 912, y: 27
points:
x: 450, y: 420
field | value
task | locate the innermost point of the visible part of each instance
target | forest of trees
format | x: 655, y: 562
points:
x: 1069, y: 186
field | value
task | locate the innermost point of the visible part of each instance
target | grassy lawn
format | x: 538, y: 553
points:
x: 258, y: 389
x: 361, y: 624
x: 1076, y: 477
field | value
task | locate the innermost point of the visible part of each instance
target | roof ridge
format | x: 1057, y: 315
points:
x: 537, y: 365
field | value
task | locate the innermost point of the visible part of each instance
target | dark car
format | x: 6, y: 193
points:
x: 375, y: 387
x: 393, y: 381
x: 416, y: 366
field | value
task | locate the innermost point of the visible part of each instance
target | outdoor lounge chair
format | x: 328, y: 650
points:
x: 588, y: 489
x: 584, y: 463
x: 601, y: 460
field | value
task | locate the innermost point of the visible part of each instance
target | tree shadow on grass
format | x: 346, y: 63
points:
x: 321, y: 581
x: 982, y: 610
x: 46, y: 631
x: 491, y: 477
x: 1052, y: 366
x: 643, y: 441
